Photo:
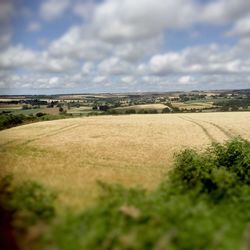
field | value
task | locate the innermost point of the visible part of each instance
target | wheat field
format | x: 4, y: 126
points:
x: 194, y: 105
x: 71, y: 155
x: 156, y: 106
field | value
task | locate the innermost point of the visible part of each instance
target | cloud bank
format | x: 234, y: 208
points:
x: 126, y: 45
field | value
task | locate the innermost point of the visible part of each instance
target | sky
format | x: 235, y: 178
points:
x: 90, y: 46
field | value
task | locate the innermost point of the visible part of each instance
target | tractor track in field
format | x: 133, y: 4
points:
x: 42, y: 135
x: 224, y: 131
x: 198, y: 122
x: 55, y: 132
x: 206, y: 132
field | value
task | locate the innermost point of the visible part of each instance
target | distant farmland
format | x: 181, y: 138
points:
x: 158, y: 107
x: 70, y: 155
x: 192, y: 105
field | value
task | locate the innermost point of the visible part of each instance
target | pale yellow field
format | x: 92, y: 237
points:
x: 70, y: 155
x: 14, y: 107
x: 79, y: 110
x: 145, y: 106
x: 195, y: 105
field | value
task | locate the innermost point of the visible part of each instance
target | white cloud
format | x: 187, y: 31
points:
x: 17, y: 57
x: 84, y: 9
x: 128, y: 79
x: 78, y: 43
x: 53, y: 9
x: 137, y: 50
x: 33, y: 26
x: 87, y: 68
x: 131, y: 20
x: 166, y: 63
x: 201, y: 59
x: 241, y: 27
x: 54, y: 81
x: 185, y: 80
x: 23, y: 58
x: 223, y: 11
x: 115, y: 66
x: 51, y: 64
x: 99, y: 79
x: 124, y: 45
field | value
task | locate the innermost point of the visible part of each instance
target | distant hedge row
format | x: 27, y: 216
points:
x: 10, y: 120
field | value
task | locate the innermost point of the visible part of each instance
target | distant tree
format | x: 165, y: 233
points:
x: 130, y: 111
x: 25, y: 106
x: 235, y: 108
x: 39, y: 114
x: 166, y: 110
x: 103, y: 107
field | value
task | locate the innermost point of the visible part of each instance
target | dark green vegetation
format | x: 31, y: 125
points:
x: 23, y: 208
x: 203, y: 203
x: 234, y: 104
x: 10, y: 120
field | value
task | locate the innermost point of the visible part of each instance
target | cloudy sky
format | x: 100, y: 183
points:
x: 70, y: 46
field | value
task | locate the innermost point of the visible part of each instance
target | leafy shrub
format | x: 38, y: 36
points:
x: 26, y: 210
x: 221, y: 169
x: 166, y: 110
x: 203, y: 204
x: 28, y: 201
x: 9, y: 120
x: 142, y: 111
x: 112, y: 112
x: 130, y: 111
x: 40, y: 114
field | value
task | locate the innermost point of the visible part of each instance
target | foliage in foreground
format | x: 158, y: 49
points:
x: 22, y: 207
x: 204, y: 203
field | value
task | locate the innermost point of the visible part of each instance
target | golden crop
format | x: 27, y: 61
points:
x: 70, y: 155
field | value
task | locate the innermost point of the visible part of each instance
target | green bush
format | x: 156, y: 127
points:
x: 166, y: 110
x: 9, y: 120
x: 29, y: 202
x: 26, y: 210
x: 203, y: 204
x: 130, y: 111
x: 220, y: 170
x: 142, y: 111
x: 40, y: 114
x: 112, y: 112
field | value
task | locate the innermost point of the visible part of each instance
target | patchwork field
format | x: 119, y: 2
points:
x: 81, y: 110
x: 157, y: 106
x: 192, y: 105
x: 71, y: 155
